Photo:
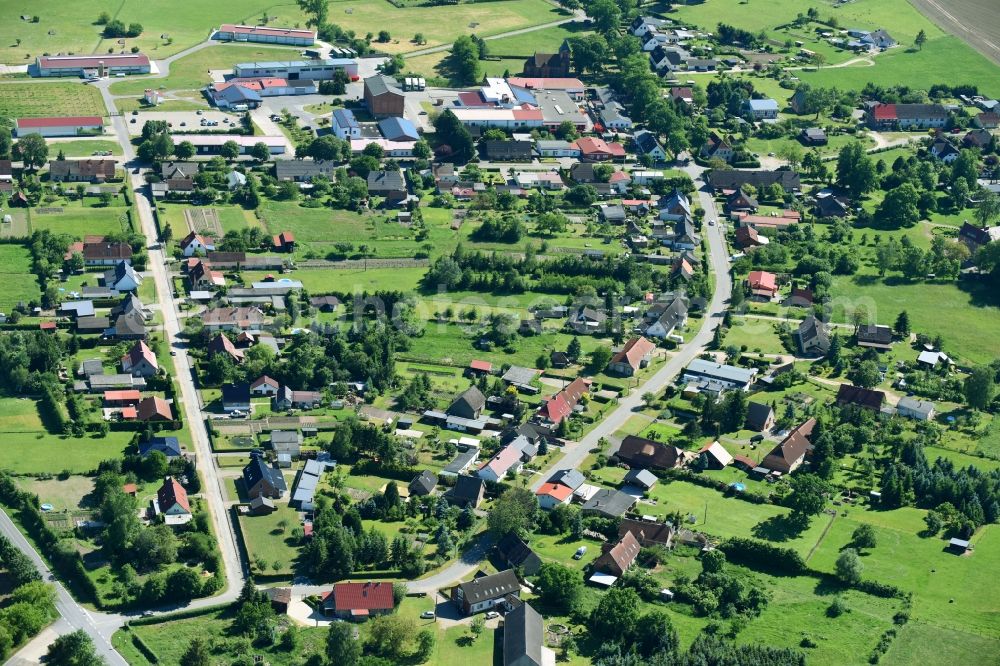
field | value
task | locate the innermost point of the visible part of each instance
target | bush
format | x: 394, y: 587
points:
x: 837, y: 608
x: 763, y: 556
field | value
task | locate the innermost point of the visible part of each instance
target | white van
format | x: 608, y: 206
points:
x: 240, y: 107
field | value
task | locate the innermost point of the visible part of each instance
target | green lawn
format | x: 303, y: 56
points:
x: 130, y: 104
x: 35, y: 452
x: 323, y: 281
x: 84, y: 147
x: 922, y: 643
x: 755, y: 335
x: 63, y: 98
x: 19, y: 282
x: 80, y: 220
x: 266, y: 539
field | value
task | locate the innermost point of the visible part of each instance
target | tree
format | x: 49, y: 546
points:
x: 260, y: 152
x: 514, y: 511
x: 900, y: 207
x: 599, y: 358
x: 856, y: 170
x: 656, y: 634
x: 864, y: 537
x: 425, y: 646
x: 33, y: 150
x: 390, y: 635
x: 464, y: 61
x: 902, y: 325
x: 73, y: 649
x: 988, y: 209
x: 865, y: 374
x: 103, y: 18
x: 197, y: 653
x: 384, y: 37
x: 573, y: 350
x: 419, y: 38
x: 452, y: 133
x: 230, y: 150
x: 342, y: 648
x: 477, y: 627
x: 6, y: 143
x: 808, y: 494
x: 559, y: 587
x: 616, y: 615
x: 184, y: 150
x: 920, y: 40
x: 849, y: 566
x: 318, y: 10
x: 979, y: 387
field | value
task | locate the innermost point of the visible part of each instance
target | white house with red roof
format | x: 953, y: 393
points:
x: 140, y: 361
x: 632, y: 357
x: 594, y: 149
x: 172, y: 503
x: 359, y: 601
x: 264, y: 385
x: 762, y: 284
x: 508, y: 460
x: 195, y: 243
x: 550, y: 495
x: 561, y: 405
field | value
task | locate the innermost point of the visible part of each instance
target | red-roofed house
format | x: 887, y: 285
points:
x: 632, y: 357
x: 140, y: 361
x: 508, y: 460
x: 264, y: 385
x: 480, y: 367
x: 762, y: 284
x: 154, y: 408
x: 359, y: 601
x: 617, y: 558
x: 594, y: 149
x: 284, y: 242
x: 550, y: 495
x: 124, y: 398
x: 47, y: 326
x: 561, y: 404
x: 172, y: 502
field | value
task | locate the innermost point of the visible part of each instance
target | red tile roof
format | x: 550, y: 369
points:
x: 561, y: 404
x: 262, y: 30
x: 47, y: 325
x: 171, y: 493
x: 482, y: 366
x: 127, y: 394
x: 154, y: 408
x: 556, y: 490
x: 590, y: 145
x: 633, y: 352
x: 62, y: 121
x: 884, y: 112
x: 763, y: 280
x: 368, y: 596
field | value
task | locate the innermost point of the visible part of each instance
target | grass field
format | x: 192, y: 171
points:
x: 20, y: 284
x: 84, y: 147
x: 63, y: 98
x: 130, y: 104
x: 441, y: 24
x: 191, y: 71
x: 264, y: 538
x: 37, y: 452
x: 79, y: 221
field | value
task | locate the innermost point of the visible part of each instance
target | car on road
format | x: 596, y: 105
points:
x: 427, y: 615
x: 173, y: 352
x: 711, y: 223
x: 135, y: 113
x: 198, y: 113
x: 147, y: 613
x: 492, y: 614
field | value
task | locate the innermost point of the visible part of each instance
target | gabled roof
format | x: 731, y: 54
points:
x: 572, y: 478
x: 221, y: 344
x: 763, y: 280
x: 611, y: 503
x: 169, y: 446
x: 263, y: 380
x: 426, y: 481
x: 555, y: 490
x: 640, y: 477
x: 856, y: 395
x: 490, y: 587
x: 646, y: 532
x: 367, y: 596
x: 238, y: 392
x: 873, y: 334
x: 758, y: 414
x: 622, y: 554
x: 642, y: 452
x: 471, y: 397
x: 154, y: 407
x: 523, y: 636
x: 171, y: 493
x: 257, y: 469
x: 141, y: 352
x: 634, y: 351
x: 515, y: 552
x: 795, y: 445
x: 718, y: 452
x: 501, y: 463
x: 467, y: 488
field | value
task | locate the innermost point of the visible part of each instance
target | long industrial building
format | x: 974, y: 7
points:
x: 294, y: 70
x: 211, y: 144
x: 263, y: 34
x: 92, y: 65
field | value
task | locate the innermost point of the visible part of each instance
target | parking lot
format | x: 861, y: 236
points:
x: 183, y: 121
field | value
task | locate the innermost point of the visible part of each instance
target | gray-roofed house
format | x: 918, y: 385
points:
x: 646, y: 143
x: 423, y: 484
x: 287, y: 441
x: 483, y: 593
x: 301, y: 171
x: 516, y: 554
x: 612, y: 213
x: 920, y: 410
x: 640, y: 478
x: 524, y: 638
x: 388, y: 184
x: 130, y: 326
x: 508, y: 151
x: 727, y: 376
x: 469, y: 404
x: 760, y: 416
x: 168, y: 446
x: 236, y: 397
x: 571, y: 478
x: 608, y: 504
x: 468, y: 491
x: 259, y: 480
x: 811, y: 337
x: 874, y: 337
x: 122, y: 278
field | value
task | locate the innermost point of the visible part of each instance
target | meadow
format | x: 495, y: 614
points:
x: 80, y: 220
x: 84, y: 147
x: 20, y: 284
x: 273, y: 543
x: 51, y: 98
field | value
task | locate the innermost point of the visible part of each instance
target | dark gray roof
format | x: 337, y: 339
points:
x: 130, y: 324
x: 386, y: 180
x: 641, y: 477
x: 424, y: 482
x: 757, y: 414
x: 490, y: 587
x: 304, y: 168
x: 610, y: 503
x: 646, y: 141
x: 236, y: 392
x: 381, y: 84
x: 472, y: 397
x: 467, y: 488
x: 516, y: 553
x: 523, y: 632
x: 257, y: 469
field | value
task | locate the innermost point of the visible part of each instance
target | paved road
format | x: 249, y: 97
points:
x: 719, y: 262
x: 100, y: 627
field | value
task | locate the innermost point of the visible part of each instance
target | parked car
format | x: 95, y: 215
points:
x: 580, y: 552
x: 427, y: 615
x: 492, y: 614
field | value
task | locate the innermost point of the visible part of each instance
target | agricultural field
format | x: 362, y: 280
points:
x: 52, y: 98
